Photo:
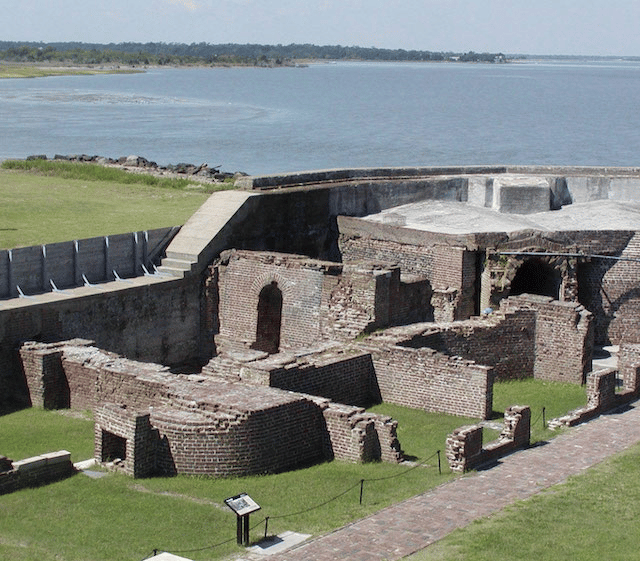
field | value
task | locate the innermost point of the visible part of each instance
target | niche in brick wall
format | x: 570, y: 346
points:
x: 269, y: 319
x: 535, y: 276
x: 113, y: 447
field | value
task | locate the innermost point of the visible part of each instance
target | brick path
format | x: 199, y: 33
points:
x: 414, y: 524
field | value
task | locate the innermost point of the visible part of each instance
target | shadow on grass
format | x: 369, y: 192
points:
x: 8, y: 409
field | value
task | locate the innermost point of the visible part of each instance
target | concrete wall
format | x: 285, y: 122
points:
x: 33, y: 268
x: 147, y: 319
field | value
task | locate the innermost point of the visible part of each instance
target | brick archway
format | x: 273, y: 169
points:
x: 535, y: 270
x: 535, y: 276
x: 269, y: 321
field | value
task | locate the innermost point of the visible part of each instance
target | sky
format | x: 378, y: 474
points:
x: 553, y: 27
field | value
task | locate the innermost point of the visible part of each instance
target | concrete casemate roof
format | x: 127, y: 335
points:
x: 462, y: 218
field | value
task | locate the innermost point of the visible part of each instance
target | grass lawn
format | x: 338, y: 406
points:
x: 36, y: 208
x: 13, y: 70
x: 593, y: 516
x: 117, y: 517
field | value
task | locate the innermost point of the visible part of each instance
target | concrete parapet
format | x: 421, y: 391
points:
x: 34, y: 471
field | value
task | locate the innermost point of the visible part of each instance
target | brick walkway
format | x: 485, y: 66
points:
x: 402, y: 529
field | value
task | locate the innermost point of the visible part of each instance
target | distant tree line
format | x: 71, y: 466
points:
x: 230, y: 53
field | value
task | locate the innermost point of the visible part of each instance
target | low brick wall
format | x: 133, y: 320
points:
x: 464, y: 448
x: 358, y: 436
x: 149, y: 420
x: 601, y: 396
x: 341, y: 376
x: 35, y: 471
x: 426, y: 379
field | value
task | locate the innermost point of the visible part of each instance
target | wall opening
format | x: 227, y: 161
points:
x: 535, y: 276
x: 269, y: 319
x: 114, y: 447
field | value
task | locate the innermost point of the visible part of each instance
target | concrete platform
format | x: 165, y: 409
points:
x: 278, y: 544
x: 462, y: 218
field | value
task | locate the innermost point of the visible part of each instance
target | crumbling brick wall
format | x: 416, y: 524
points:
x: 564, y: 337
x: 320, y: 300
x: 449, y: 270
x: 358, y: 436
x: 530, y: 336
x: 464, y: 450
x: 505, y: 342
x: 629, y: 366
x: 149, y: 419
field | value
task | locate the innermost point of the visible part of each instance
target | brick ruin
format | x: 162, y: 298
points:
x: 282, y: 310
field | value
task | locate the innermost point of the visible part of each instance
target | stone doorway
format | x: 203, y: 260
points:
x: 114, y: 447
x: 535, y: 276
x: 269, y: 319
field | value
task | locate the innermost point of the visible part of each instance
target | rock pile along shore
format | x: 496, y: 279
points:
x: 142, y: 165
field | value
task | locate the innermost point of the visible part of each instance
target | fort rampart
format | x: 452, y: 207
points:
x: 261, y: 282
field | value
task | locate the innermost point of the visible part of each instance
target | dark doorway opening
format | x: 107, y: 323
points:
x: 269, y: 319
x: 536, y: 277
x: 113, y: 447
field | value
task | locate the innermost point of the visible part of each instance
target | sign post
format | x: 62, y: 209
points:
x: 243, y: 505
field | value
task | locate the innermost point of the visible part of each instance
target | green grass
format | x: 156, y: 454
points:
x: 35, y: 431
x: 77, y: 201
x: 593, y: 516
x: 30, y: 71
x: 122, y: 518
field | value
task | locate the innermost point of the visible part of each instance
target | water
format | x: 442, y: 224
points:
x: 335, y: 115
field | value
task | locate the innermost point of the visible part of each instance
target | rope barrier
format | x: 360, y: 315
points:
x: 315, y: 507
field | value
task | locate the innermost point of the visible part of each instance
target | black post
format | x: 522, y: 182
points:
x: 239, y: 529
x: 439, y: 466
x: 544, y: 418
x: 246, y: 529
x: 266, y: 527
x: 361, y: 489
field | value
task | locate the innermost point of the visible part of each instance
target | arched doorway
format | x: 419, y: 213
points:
x: 535, y: 276
x: 269, y: 319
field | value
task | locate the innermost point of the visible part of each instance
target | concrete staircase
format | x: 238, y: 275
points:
x: 205, y: 234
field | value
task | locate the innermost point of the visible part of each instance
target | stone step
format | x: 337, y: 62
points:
x: 180, y: 264
x: 179, y: 273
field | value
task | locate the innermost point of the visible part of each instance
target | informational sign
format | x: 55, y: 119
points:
x: 242, y: 504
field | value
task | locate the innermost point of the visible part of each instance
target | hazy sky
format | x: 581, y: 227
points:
x: 595, y: 27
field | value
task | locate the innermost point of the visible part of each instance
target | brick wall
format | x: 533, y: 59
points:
x: 505, y: 342
x: 320, y: 300
x: 159, y: 322
x: 464, y: 450
x: 357, y: 436
x: 149, y: 419
x: 610, y: 290
x: 449, y: 270
x: 564, y: 337
x: 425, y: 379
x: 629, y: 366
